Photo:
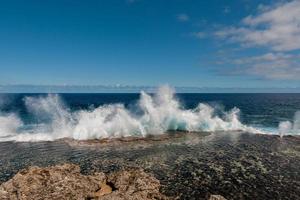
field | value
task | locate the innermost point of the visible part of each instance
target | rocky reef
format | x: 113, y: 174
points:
x: 234, y: 165
x: 66, y: 182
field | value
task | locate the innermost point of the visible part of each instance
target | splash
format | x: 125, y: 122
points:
x: 159, y: 113
x: 9, y: 125
x: 288, y: 127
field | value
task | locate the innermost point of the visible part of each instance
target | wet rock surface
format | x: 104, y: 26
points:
x: 66, y: 182
x: 188, y: 165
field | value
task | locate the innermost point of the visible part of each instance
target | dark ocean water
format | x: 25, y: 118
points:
x: 262, y: 110
x: 236, y: 165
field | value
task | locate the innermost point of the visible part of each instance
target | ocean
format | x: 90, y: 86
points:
x: 194, y: 144
x: 28, y: 117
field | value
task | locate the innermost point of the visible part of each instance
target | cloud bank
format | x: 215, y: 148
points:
x: 275, y: 30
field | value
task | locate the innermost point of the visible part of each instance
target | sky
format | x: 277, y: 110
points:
x: 230, y: 43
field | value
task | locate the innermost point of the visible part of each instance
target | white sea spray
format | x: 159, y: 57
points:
x: 160, y: 112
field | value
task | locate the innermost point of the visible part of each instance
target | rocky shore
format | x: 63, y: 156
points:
x: 65, y: 182
x: 175, y: 166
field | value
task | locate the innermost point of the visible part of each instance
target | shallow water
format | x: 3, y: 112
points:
x: 189, y: 165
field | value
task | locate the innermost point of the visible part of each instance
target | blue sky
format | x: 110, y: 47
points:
x: 244, y: 43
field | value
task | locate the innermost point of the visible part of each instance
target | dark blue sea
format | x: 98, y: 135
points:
x: 198, y: 144
x: 33, y: 111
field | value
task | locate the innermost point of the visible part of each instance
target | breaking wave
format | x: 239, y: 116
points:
x: 158, y: 114
x: 291, y: 128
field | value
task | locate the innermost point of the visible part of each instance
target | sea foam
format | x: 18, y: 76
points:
x: 157, y: 114
x: 287, y: 127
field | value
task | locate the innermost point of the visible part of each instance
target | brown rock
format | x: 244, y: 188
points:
x: 66, y: 182
x: 59, y: 182
x: 216, y: 197
x: 135, y: 185
x: 104, y: 189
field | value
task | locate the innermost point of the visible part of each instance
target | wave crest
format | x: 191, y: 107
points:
x: 159, y: 113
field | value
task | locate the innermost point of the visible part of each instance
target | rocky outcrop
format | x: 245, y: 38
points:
x: 216, y: 197
x: 66, y: 182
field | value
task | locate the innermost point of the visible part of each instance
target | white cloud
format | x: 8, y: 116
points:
x: 278, y: 66
x: 183, y: 17
x: 277, y: 28
x: 268, y: 57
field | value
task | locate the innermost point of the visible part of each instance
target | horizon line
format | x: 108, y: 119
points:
x: 118, y: 88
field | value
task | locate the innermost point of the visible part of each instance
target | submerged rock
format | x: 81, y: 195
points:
x: 66, y: 182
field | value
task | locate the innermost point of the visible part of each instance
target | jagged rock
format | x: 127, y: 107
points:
x: 104, y: 189
x: 216, y: 197
x: 66, y: 182
x: 134, y: 184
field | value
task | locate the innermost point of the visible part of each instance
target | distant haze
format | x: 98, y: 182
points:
x: 133, y: 89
